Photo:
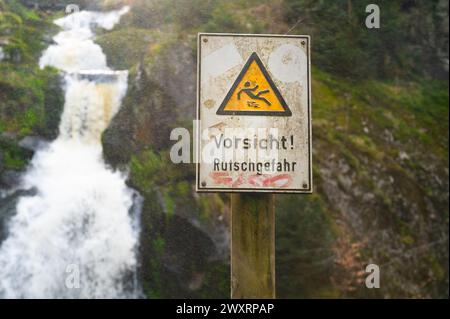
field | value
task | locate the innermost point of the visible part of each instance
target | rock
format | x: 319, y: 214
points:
x: 345, y: 181
x: 53, y: 107
x: 142, y: 122
x: 9, y: 145
x: 8, y: 209
x: 184, y: 246
x: 403, y: 156
x: 8, y: 136
x: 161, y: 92
x: 174, y: 69
x: 48, y: 40
x: 33, y: 143
x: 10, y: 179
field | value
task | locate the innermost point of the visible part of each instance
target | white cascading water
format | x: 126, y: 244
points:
x: 78, y: 236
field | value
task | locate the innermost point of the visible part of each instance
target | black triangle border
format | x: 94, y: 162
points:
x: 254, y: 57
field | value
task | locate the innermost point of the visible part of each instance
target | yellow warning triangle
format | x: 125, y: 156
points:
x: 254, y: 93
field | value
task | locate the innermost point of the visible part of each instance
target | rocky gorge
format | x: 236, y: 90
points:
x: 380, y: 149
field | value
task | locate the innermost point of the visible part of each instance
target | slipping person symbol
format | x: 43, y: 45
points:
x: 250, y: 92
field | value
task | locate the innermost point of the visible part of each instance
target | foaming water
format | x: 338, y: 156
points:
x: 75, y: 49
x: 92, y: 99
x: 78, y: 236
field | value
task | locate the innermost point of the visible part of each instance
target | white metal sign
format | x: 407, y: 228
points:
x: 254, y: 112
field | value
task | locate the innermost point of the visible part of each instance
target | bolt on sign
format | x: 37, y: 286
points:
x: 254, y: 112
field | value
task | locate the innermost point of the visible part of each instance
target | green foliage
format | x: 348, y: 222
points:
x: 126, y: 47
x: 12, y: 156
x: 29, y: 102
x: 13, y: 161
x: 304, y: 247
x: 169, y: 204
x: 385, y: 130
x: 21, y: 32
x: 22, y: 84
x: 410, y: 110
x: 216, y: 283
x: 344, y: 46
x: 30, y: 99
x: 159, y: 244
x: 145, y: 170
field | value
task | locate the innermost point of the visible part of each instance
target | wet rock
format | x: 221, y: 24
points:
x: 143, y: 121
x: 10, y: 179
x: 8, y: 209
x: 188, y: 249
x: 8, y: 136
x: 160, y: 93
x: 174, y: 68
x: 33, y: 143
x: 48, y: 40
x: 9, y: 145
x: 53, y: 107
x: 178, y: 248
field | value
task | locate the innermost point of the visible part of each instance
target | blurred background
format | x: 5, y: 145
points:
x: 380, y: 140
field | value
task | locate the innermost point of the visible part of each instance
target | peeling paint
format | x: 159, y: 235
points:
x: 228, y: 57
x: 286, y: 63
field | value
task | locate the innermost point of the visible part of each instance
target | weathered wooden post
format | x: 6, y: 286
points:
x: 252, y: 245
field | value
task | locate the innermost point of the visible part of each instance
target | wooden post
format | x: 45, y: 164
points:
x: 252, y: 246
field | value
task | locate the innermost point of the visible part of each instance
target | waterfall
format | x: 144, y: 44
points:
x: 77, y: 236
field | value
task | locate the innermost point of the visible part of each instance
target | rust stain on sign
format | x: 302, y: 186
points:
x: 209, y: 104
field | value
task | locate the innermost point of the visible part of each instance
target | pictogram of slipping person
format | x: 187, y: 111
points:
x: 250, y: 92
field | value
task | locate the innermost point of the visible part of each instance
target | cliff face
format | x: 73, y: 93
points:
x: 380, y: 169
x: 184, y: 236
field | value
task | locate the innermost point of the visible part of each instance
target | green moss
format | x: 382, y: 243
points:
x: 304, y: 245
x: 13, y: 157
x: 183, y: 189
x: 27, y: 122
x: 30, y: 99
x: 216, y: 283
x: 145, y: 170
x: 365, y: 145
x: 436, y: 267
x: 126, y: 47
x: 13, y: 161
x: 159, y: 244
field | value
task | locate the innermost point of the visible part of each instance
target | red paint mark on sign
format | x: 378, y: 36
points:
x: 239, y: 181
x: 278, y: 181
x: 257, y: 180
x: 262, y: 181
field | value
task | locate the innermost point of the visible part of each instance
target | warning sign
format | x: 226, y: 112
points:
x: 254, y: 112
x: 254, y: 93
